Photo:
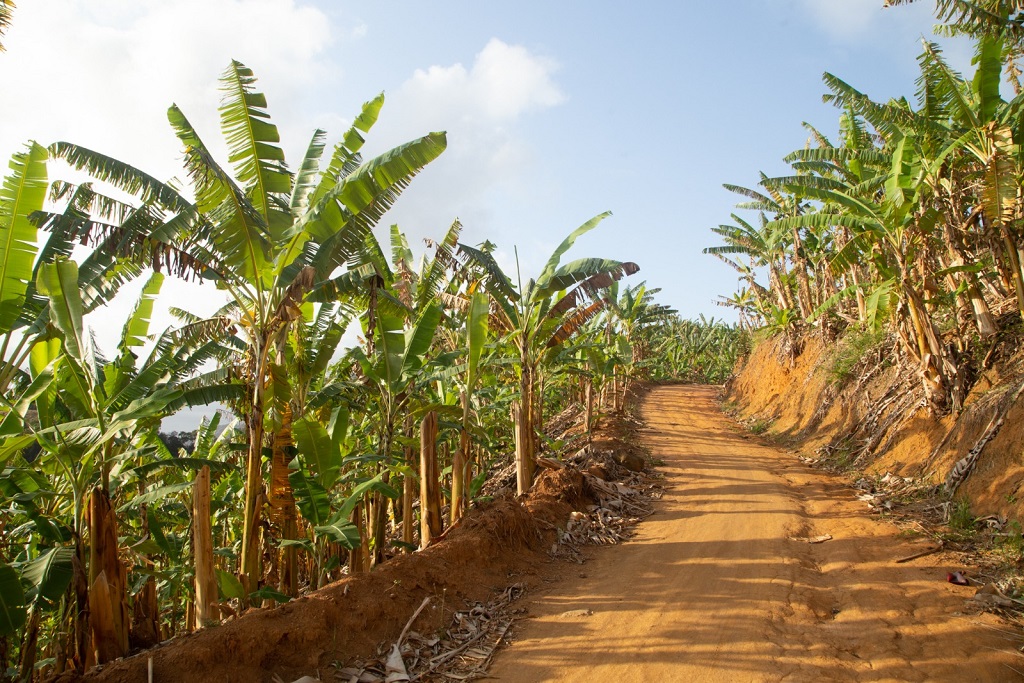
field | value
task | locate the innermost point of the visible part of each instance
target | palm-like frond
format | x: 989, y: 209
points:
x: 433, y: 277
x: 6, y: 13
x: 400, y: 251
x: 591, y: 274
x: 341, y: 219
x: 573, y: 323
x: 253, y: 146
x: 21, y: 195
x: 345, y: 157
x: 352, y: 285
x: 838, y: 155
x: 123, y: 176
x: 886, y: 118
x: 306, y: 178
x: 552, y: 265
x: 236, y: 227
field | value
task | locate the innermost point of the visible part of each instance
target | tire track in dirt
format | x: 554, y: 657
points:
x: 714, y: 588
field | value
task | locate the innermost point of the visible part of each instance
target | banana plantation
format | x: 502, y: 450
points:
x: 908, y: 222
x: 322, y: 458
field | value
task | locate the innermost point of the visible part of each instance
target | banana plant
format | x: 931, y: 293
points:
x: 266, y: 236
x: 390, y: 371
x: 540, y: 314
x: 96, y: 421
x: 476, y: 328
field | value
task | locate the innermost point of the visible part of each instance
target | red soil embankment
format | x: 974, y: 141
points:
x: 806, y: 408
x: 351, y: 618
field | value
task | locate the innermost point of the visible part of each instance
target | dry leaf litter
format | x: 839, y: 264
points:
x: 891, y: 495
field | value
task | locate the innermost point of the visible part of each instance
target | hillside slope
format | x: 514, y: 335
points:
x: 874, y: 419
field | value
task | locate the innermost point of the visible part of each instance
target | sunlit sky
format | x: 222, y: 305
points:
x: 555, y: 111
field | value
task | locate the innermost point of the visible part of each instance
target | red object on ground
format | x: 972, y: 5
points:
x: 957, y: 578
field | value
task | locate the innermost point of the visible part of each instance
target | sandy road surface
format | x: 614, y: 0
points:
x: 714, y: 588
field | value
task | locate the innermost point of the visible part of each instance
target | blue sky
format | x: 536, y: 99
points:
x: 555, y: 111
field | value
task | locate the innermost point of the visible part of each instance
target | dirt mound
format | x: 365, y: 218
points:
x: 351, y: 618
x: 875, y: 421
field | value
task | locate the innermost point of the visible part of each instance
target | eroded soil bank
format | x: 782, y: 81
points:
x: 352, y: 618
x: 722, y: 583
x: 874, y: 420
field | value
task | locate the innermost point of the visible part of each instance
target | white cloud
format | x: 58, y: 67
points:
x: 102, y: 73
x: 481, y: 108
x: 504, y: 82
x: 359, y: 31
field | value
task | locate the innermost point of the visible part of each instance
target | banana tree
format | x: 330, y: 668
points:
x: 92, y: 418
x: 390, y: 371
x: 266, y: 236
x: 633, y: 311
x: 542, y: 314
x: 476, y: 328
x: 1002, y: 19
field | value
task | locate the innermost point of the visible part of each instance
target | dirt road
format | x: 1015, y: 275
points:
x: 718, y: 586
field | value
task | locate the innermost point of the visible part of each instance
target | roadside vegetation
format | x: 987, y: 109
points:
x: 907, y: 223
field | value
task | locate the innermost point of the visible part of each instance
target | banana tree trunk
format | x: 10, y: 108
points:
x: 777, y: 284
x: 409, y: 487
x: 249, y: 570
x: 207, y: 612
x: 28, y: 647
x: 378, y: 517
x: 803, y: 285
x: 983, y: 318
x: 460, y: 460
x: 537, y: 417
x: 431, y: 523
x: 282, y: 504
x: 1013, y: 256
x: 522, y: 413
x: 943, y: 384
x: 970, y: 301
x: 364, y: 535
x: 616, y: 403
x: 83, y: 655
x: 145, y: 626
x: 524, y: 461
x: 589, y: 402
x: 380, y: 523
x: 108, y: 606
x: 356, y: 561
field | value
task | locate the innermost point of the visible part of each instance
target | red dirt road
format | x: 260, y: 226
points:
x: 715, y: 588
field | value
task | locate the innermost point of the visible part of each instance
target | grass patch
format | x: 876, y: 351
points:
x: 960, y: 517
x: 961, y: 522
x: 759, y: 426
x: 1012, y: 543
x: 851, y: 350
